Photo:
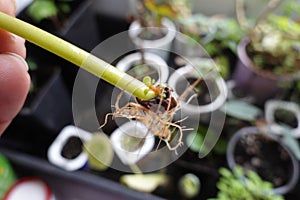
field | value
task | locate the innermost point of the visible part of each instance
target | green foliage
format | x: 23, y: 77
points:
x: 195, y: 141
x: 241, y: 185
x: 151, y: 12
x: 227, y: 36
x: 40, y: 10
x: 275, y: 38
x: 241, y: 110
x: 275, y: 45
x: 189, y: 185
x: 216, y: 34
x: 145, y: 182
x: 148, y: 81
x: 100, y: 152
x: 46, y: 9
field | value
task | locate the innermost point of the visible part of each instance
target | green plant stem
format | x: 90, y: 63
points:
x: 135, y: 169
x: 271, y: 6
x: 240, y: 14
x: 76, y: 56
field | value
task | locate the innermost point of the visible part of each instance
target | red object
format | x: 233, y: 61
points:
x: 29, y: 188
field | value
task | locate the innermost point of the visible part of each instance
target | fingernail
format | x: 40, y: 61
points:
x: 20, y: 58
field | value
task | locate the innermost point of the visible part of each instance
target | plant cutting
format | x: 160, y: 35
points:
x: 269, y: 53
x: 77, y: 56
x: 244, y: 185
x: 156, y: 114
x: 148, y: 95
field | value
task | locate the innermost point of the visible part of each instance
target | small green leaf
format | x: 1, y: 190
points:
x: 148, y: 81
x: 241, y: 110
x: 194, y: 141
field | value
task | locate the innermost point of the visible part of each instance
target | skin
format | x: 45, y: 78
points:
x: 14, y: 77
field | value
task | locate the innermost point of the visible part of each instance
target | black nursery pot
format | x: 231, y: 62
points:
x: 261, y: 84
x: 265, y: 154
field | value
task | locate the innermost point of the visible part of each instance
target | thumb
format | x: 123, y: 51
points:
x: 14, y: 86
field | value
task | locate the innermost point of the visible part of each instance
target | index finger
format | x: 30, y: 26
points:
x: 10, y: 42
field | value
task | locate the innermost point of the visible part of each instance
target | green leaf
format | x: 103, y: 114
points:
x: 194, y: 141
x: 189, y: 185
x: 144, y: 182
x: 147, y: 80
x: 292, y: 143
x: 241, y: 110
x: 40, y: 10
x: 99, y: 150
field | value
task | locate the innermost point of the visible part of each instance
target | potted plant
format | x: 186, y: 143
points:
x: 251, y: 148
x: 239, y: 184
x: 268, y: 54
x: 216, y: 37
x: 152, y: 30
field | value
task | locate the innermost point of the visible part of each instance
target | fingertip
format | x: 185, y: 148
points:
x: 8, y: 7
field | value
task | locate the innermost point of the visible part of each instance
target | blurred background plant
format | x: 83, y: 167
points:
x: 151, y: 12
x: 54, y: 10
x: 274, y: 36
x: 241, y: 185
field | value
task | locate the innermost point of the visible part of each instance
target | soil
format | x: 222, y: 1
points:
x: 72, y: 148
x: 266, y: 156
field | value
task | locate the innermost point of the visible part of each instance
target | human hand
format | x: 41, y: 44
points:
x: 14, y: 77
